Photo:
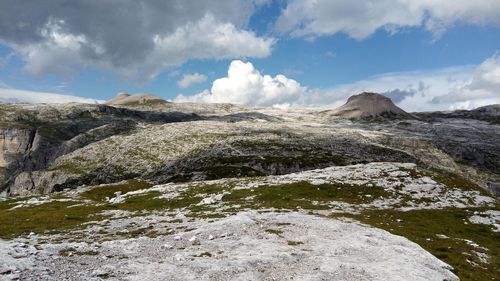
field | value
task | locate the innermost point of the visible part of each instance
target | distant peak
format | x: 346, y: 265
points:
x: 135, y: 99
x: 370, y: 105
x: 369, y: 96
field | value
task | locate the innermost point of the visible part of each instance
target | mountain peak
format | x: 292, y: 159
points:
x: 370, y: 105
x: 135, y: 99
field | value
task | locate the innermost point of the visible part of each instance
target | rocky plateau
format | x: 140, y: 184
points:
x: 140, y: 188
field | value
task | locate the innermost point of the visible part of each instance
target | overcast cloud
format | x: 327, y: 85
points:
x: 133, y: 39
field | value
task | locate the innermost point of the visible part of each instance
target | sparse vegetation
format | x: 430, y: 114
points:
x: 100, y: 193
x: 48, y: 217
x: 424, y: 227
x: 274, y: 231
x: 303, y: 195
x: 294, y: 243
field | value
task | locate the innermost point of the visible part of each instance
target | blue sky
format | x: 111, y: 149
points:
x: 312, y: 43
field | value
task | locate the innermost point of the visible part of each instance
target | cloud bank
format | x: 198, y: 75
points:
x: 463, y: 87
x: 138, y: 39
x: 133, y: 39
x: 359, y: 19
x: 483, y: 87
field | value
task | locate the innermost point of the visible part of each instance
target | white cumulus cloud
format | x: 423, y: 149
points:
x: 190, y: 79
x: 246, y: 85
x: 359, y: 19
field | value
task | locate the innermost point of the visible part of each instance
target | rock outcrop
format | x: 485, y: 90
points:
x: 370, y: 106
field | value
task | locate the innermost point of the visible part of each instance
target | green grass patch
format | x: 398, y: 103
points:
x: 287, y: 196
x: 59, y: 216
x: 48, y: 217
x: 274, y: 231
x: 7, y: 204
x: 100, y: 193
x: 304, y: 195
x: 421, y: 227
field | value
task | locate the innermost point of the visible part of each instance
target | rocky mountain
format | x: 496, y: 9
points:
x: 254, y: 193
x: 370, y: 105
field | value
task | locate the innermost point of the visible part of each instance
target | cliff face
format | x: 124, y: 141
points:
x: 22, y: 151
x: 15, y: 144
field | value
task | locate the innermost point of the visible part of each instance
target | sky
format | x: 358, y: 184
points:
x: 424, y: 54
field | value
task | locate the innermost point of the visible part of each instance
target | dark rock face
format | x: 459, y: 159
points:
x: 370, y: 106
x: 249, y: 156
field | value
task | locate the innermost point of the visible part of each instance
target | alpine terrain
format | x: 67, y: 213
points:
x: 140, y: 188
